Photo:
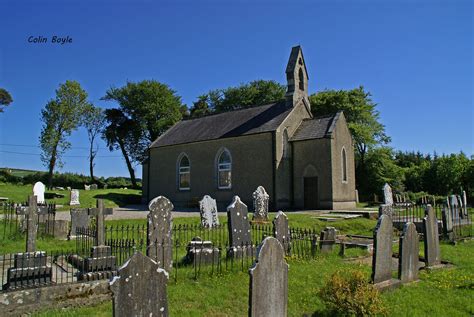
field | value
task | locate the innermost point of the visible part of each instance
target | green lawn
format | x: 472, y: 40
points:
x: 114, y: 197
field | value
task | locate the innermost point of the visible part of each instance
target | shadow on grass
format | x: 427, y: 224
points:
x: 121, y: 199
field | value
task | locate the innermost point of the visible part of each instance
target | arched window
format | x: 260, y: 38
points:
x: 344, y: 165
x: 224, y: 170
x: 184, y: 172
x: 301, y: 79
x: 286, y: 145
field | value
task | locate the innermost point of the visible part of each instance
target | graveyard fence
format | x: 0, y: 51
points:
x: 13, y: 222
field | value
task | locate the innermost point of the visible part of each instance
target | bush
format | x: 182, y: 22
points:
x: 348, y: 293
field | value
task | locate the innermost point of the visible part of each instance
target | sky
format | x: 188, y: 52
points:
x: 414, y: 57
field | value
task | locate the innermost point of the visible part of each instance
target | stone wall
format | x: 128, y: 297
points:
x: 17, y: 303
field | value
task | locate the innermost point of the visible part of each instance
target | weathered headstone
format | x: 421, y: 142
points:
x: 386, y: 210
x: 454, y: 207
x: 408, y: 254
x: 431, y: 238
x: 201, y: 252
x: 260, y: 204
x: 94, y: 187
x: 387, y: 194
x: 87, y: 187
x: 269, y: 281
x: 59, y: 228
x: 357, y: 196
x: 159, y: 244
x: 79, y: 219
x: 240, y: 237
x: 38, y: 191
x: 382, y: 256
x: 447, y: 218
x: 208, y: 209
x: 460, y: 206
x: 327, y: 239
x: 140, y: 288
x: 464, y: 201
x: 281, y: 230
x: 74, y: 200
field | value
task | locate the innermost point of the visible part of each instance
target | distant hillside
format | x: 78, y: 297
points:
x: 19, y: 172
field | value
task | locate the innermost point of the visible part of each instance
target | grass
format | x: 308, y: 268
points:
x: 113, y: 197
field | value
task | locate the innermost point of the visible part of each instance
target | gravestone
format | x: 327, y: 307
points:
x: 201, y: 252
x: 357, y: 196
x: 386, y: 210
x: 29, y: 268
x: 269, y: 281
x: 431, y: 238
x: 408, y: 254
x: 240, y: 238
x: 74, y: 200
x: 387, y: 194
x: 464, y: 202
x: 281, y: 231
x: 79, y: 219
x: 460, y: 206
x: 260, y: 205
x: 94, y: 187
x: 159, y: 245
x: 327, y: 239
x: 38, y: 191
x: 455, y: 208
x: 447, y: 218
x: 208, y: 209
x: 382, y: 256
x: 140, y: 288
x: 87, y: 187
x: 59, y: 228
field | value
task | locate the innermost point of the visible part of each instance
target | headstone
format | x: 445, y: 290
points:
x: 386, y: 210
x: 74, y: 197
x: 140, y: 288
x: 460, y: 206
x: 159, y: 243
x: 94, y: 187
x: 260, y: 204
x: 382, y: 256
x: 454, y: 207
x: 269, y: 281
x: 357, y: 196
x: 79, y: 219
x: 208, y: 209
x: 59, y: 228
x: 464, y: 202
x: 281, y: 230
x: 327, y: 239
x: 69, y: 188
x: 240, y: 238
x: 387, y: 194
x: 431, y: 238
x: 447, y: 219
x: 106, y: 186
x: 409, y: 254
x: 201, y: 252
x: 87, y: 187
x: 38, y: 191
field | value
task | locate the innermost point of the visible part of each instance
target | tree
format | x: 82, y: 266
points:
x: 361, y: 115
x: 5, y: 99
x: 60, y: 117
x: 121, y: 133
x: 255, y: 93
x: 93, y: 120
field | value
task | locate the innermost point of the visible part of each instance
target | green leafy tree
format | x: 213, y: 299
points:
x: 5, y: 99
x: 60, y: 117
x: 255, y: 93
x: 93, y: 120
x: 124, y: 134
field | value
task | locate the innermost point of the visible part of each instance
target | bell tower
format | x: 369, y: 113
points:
x: 297, y: 78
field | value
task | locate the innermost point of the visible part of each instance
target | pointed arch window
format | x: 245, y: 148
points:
x: 184, y: 172
x: 224, y: 170
x: 301, y: 79
x: 344, y: 165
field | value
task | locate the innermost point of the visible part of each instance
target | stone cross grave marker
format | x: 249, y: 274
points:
x: 260, y: 204
x: 382, y: 256
x: 99, y: 213
x: 269, y: 281
x: 208, y: 209
x: 281, y: 230
x: 387, y: 193
x: 31, y: 213
x: 159, y: 243
x: 140, y: 288
x: 74, y: 200
x: 431, y: 238
x: 38, y: 191
x: 238, y: 223
x: 328, y: 239
x: 79, y: 219
x: 408, y: 258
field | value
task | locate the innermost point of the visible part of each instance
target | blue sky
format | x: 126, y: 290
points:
x: 415, y: 57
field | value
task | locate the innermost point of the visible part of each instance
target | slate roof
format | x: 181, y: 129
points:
x: 316, y: 128
x: 253, y: 120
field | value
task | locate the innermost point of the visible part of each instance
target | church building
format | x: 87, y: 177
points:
x: 302, y: 162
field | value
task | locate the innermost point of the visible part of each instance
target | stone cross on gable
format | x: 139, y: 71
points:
x: 31, y: 213
x: 99, y: 212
